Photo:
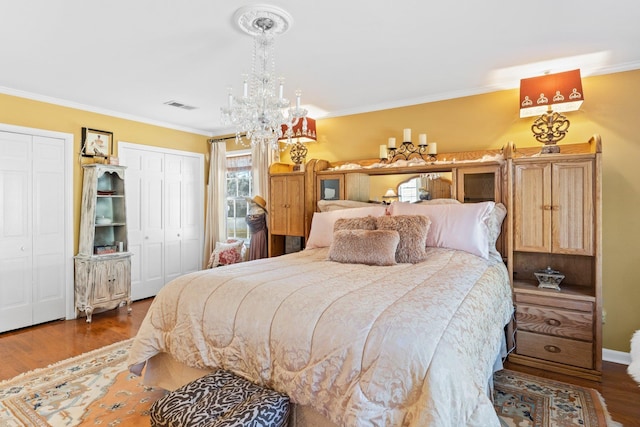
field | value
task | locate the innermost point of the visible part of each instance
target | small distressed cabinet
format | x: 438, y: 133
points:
x: 555, y: 222
x: 103, y: 263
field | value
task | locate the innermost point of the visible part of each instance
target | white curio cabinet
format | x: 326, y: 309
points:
x: 103, y: 263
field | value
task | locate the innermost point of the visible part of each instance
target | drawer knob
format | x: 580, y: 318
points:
x: 552, y: 322
x: 552, y: 348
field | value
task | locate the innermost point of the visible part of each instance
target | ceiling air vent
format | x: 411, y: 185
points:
x: 180, y: 105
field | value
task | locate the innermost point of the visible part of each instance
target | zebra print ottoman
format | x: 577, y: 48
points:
x: 221, y: 399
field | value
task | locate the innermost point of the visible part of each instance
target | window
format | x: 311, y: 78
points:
x: 238, y: 189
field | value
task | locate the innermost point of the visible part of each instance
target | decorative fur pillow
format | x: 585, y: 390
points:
x: 371, y: 247
x: 413, y: 231
x: 363, y: 223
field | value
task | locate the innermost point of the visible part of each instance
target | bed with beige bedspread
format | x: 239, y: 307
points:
x: 407, y: 344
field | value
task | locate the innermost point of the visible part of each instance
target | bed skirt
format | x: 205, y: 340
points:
x: 165, y: 372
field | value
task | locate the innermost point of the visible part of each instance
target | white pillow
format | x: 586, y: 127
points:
x: 321, y: 234
x: 461, y: 226
x: 334, y: 205
x: 494, y: 226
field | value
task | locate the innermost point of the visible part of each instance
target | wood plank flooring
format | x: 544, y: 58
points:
x: 42, y: 345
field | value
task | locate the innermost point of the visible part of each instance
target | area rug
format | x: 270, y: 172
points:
x: 92, y: 389
x: 523, y: 400
x: 97, y: 389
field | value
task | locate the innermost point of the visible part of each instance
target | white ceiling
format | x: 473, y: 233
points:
x: 128, y: 57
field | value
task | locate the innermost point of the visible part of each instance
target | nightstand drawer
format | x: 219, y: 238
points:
x: 553, y: 321
x: 555, y: 349
x: 554, y: 301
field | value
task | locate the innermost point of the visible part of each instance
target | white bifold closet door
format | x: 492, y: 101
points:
x: 165, y: 194
x: 32, y: 230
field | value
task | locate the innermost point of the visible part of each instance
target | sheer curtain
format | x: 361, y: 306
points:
x: 216, y: 216
x: 261, y: 157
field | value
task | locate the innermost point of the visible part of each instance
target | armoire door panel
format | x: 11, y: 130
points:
x: 573, y: 210
x: 532, y: 208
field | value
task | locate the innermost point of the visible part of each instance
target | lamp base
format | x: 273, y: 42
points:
x: 550, y: 149
x: 550, y: 128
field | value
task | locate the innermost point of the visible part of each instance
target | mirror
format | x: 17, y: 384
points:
x: 427, y: 186
x: 407, y: 187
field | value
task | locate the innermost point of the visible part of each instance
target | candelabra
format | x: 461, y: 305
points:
x: 407, y: 150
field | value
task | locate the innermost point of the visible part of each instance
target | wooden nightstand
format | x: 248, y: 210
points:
x: 555, y: 330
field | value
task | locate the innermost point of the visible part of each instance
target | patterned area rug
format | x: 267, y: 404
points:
x: 523, y: 400
x: 96, y: 389
x: 92, y: 389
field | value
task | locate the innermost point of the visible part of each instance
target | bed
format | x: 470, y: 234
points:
x: 352, y: 344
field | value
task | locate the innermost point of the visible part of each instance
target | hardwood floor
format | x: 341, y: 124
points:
x: 41, y: 345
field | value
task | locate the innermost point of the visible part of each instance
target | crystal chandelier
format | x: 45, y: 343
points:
x: 261, y: 111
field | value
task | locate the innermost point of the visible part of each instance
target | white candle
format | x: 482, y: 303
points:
x: 422, y: 138
x: 433, y: 148
x: 245, y: 87
x: 392, y: 143
x: 298, y: 96
x: 383, y: 151
x: 281, y: 91
x: 407, y: 135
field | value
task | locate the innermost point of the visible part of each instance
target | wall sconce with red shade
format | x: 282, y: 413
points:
x: 548, y: 96
x: 303, y: 132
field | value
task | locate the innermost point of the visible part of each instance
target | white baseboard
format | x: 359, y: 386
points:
x: 616, y: 356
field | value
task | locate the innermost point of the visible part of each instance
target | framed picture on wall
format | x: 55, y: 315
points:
x: 96, y: 143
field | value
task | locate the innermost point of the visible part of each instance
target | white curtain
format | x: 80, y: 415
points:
x: 216, y: 217
x: 261, y: 157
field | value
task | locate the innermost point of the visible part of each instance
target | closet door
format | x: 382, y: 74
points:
x: 32, y: 226
x: 182, y: 239
x: 16, y: 258
x: 153, y: 223
x: 165, y: 193
x: 145, y: 199
x: 48, y: 301
x: 192, y: 214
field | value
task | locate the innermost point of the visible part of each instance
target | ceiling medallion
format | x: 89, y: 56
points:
x: 256, y: 19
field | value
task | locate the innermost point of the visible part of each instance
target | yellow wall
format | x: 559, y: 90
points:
x: 470, y: 123
x: 489, y: 121
x: 28, y: 113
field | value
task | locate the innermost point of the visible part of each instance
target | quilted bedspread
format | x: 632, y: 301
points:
x: 403, y: 345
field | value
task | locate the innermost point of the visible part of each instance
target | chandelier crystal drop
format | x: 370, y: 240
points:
x: 262, y: 110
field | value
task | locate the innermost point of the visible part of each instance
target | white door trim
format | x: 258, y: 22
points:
x: 68, y: 204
